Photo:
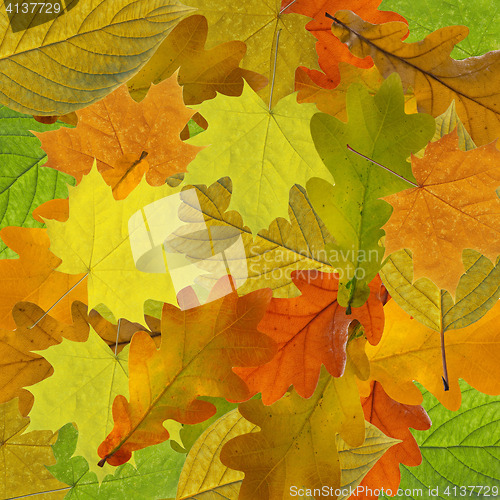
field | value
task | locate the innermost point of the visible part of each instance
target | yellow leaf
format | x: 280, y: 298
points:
x: 77, y: 58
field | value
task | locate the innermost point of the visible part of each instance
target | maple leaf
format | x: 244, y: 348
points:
x: 394, y: 420
x: 331, y: 51
x: 24, y: 184
x: 76, y: 56
x: 428, y: 69
x: 198, y: 349
x: 307, y: 453
x: 399, y: 358
x: 351, y: 210
x: 126, y: 138
x: 454, y: 207
x: 271, y: 255
x: 23, y: 456
x: 32, y: 277
x: 310, y: 331
x: 202, y: 72
x: 264, y: 28
x: 280, y: 144
x: 95, y: 240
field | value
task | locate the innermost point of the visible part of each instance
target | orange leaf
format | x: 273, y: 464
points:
x: 329, y: 48
x: 33, y: 277
x: 310, y: 330
x: 202, y: 72
x: 427, y: 68
x: 455, y: 207
x: 394, y: 420
x: 410, y: 351
x: 127, y: 139
x: 57, y: 209
x: 198, y: 349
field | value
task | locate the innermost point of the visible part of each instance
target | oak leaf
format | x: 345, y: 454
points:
x: 331, y: 51
x: 427, y: 68
x: 310, y: 331
x: 202, y: 72
x: 410, y: 351
x: 394, y: 420
x: 33, y: 276
x: 126, y: 138
x: 74, y: 59
x: 198, y: 349
x: 454, y: 207
x: 256, y: 139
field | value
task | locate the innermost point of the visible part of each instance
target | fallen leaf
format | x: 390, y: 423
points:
x: 310, y: 331
x: 280, y: 142
x: 258, y: 24
x: 127, y: 139
x: 454, y: 207
x: 33, y: 276
x: 199, y: 347
x: 23, y: 458
x: 428, y: 69
x: 331, y: 51
x: 351, y: 210
x: 410, y: 351
x: 202, y: 72
x: 76, y: 55
x: 394, y: 420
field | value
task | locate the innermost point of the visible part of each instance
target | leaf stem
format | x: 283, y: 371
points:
x: 55, y: 304
x: 445, y: 368
x: 286, y: 7
x: 383, y: 166
x: 274, y: 69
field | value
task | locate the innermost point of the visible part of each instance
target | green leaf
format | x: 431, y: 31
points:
x: 80, y: 56
x: 460, y: 449
x: 24, y: 183
x: 351, y: 210
x: 154, y: 476
x: 264, y: 152
x: 479, y: 16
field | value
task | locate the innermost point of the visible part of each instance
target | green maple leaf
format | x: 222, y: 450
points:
x: 95, y: 240
x: 264, y: 152
x: 351, y: 210
x: 24, y: 183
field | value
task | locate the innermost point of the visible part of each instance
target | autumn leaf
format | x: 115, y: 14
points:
x: 76, y: 56
x: 263, y: 27
x: 24, y: 184
x: 351, y: 210
x: 202, y: 72
x: 95, y: 240
x: 127, y: 139
x: 310, y: 331
x: 428, y: 69
x: 33, y: 277
x: 164, y: 383
x: 410, y: 351
x: 394, y: 420
x: 23, y: 457
x: 454, y: 207
x: 331, y: 51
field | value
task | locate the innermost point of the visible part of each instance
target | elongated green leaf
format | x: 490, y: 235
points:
x: 24, y: 184
x: 351, y: 210
x: 461, y: 450
x: 77, y: 58
x: 479, y: 16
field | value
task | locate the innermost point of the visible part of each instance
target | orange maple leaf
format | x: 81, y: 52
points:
x: 394, y: 420
x: 33, y: 277
x: 330, y: 49
x: 310, y: 330
x: 128, y: 139
x: 198, y: 349
x: 454, y: 207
